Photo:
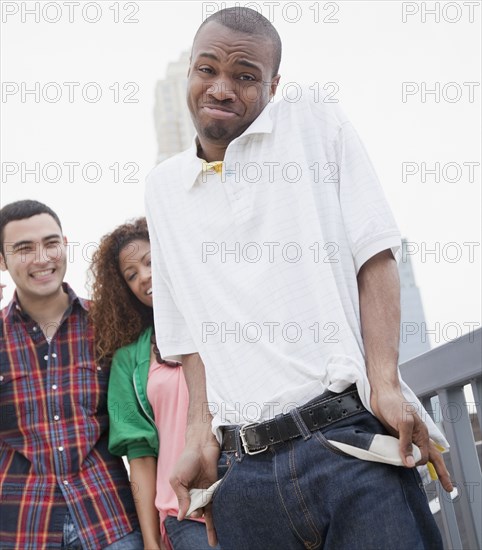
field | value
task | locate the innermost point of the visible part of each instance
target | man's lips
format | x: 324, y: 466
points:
x: 217, y: 112
x: 44, y: 273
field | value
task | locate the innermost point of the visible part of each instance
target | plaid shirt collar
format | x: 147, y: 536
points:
x: 14, y: 311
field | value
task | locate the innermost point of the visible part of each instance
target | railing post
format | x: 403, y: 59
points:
x: 465, y: 462
x: 477, y: 391
x: 447, y: 511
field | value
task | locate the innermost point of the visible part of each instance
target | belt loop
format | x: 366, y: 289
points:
x: 238, y: 455
x: 296, y: 416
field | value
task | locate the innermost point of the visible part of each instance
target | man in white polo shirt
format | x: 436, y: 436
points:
x: 273, y: 252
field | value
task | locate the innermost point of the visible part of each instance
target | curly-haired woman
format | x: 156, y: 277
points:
x: 147, y: 396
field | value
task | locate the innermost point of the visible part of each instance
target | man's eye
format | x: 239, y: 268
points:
x: 247, y: 77
x: 206, y: 70
x: 24, y: 249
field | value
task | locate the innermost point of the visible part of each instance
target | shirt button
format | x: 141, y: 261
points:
x: 56, y: 417
x: 35, y: 329
x: 54, y: 355
x: 54, y: 386
x: 61, y: 448
x: 99, y: 368
x: 46, y: 357
x: 1, y: 378
x: 65, y: 482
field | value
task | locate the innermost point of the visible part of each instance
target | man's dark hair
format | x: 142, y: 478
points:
x: 250, y: 22
x: 22, y: 210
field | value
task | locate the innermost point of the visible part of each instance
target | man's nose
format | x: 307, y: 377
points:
x: 48, y: 254
x: 221, y: 89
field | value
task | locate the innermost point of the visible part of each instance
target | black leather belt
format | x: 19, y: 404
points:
x: 316, y: 414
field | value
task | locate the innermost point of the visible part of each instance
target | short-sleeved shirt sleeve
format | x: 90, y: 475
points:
x: 172, y: 333
x: 368, y: 220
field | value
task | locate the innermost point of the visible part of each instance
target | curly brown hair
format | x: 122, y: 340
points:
x: 117, y: 315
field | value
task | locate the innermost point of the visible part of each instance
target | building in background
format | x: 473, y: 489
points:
x: 414, y: 339
x: 172, y: 120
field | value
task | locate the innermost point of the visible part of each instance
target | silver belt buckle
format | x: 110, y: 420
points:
x: 242, y: 435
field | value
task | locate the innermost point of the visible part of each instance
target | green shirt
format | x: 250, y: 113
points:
x: 132, y: 431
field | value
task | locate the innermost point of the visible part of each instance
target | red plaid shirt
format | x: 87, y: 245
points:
x: 53, y: 436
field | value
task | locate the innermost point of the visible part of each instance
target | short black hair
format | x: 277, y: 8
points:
x: 22, y: 210
x: 248, y: 21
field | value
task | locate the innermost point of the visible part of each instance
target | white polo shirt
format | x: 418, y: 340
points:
x: 255, y: 267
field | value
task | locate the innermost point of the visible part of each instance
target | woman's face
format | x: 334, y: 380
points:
x: 135, y: 266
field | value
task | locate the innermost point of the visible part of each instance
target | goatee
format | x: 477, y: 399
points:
x: 215, y: 132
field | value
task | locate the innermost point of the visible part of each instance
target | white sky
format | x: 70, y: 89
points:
x: 368, y: 53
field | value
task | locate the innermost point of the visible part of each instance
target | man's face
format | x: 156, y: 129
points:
x: 35, y: 256
x: 230, y: 82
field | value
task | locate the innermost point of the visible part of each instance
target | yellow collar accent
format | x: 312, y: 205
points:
x: 217, y: 166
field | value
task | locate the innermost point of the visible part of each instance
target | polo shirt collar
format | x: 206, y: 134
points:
x: 192, y: 164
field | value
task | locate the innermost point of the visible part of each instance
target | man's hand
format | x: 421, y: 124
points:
x: 401, y: 420
x: 196, y: 468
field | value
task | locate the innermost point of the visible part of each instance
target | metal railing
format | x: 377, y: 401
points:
x: 438, y: 378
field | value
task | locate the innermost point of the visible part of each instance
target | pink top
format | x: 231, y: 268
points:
x: 169, y: 398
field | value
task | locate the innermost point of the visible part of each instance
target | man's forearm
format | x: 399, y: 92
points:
x: 199, y: 417
x: 197, y: 465
x: 379, y: 290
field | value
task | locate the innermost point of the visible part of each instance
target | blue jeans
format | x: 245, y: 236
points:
x: 307, y: 494
x: 71, y: 541
x: 187, y: 534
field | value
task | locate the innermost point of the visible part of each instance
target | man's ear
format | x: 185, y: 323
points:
x: 274, y: 85
x: 3, y: 263
x: 64, y: 238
